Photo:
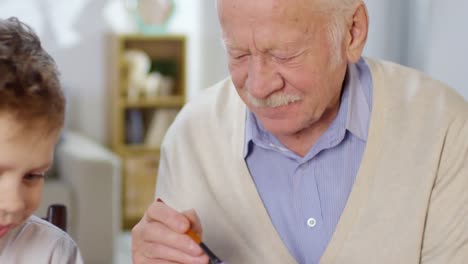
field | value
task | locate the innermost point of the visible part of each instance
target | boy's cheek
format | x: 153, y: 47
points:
x: 34, y: 198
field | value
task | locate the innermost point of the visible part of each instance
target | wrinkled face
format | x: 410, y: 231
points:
x: 25, y: 156
x: 282, y: 61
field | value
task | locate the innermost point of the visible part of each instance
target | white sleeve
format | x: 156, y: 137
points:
x: 66, y: 251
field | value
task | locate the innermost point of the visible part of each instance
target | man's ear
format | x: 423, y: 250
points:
x: 356, y: 34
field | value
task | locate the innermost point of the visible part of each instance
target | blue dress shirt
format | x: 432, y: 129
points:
x: 305, y: 196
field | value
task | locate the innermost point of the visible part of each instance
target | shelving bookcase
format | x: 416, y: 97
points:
x: 140, y: 162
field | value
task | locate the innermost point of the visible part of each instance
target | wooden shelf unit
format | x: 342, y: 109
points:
x: 140, y: 161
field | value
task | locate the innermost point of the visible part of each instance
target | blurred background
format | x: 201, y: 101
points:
x: 99, y: 163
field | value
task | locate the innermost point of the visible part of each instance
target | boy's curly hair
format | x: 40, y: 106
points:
x: 30, y: 89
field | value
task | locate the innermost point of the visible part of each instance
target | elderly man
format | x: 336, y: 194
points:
x: 320, y: 156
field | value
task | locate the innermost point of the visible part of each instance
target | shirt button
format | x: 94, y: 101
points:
x: 311, y: 222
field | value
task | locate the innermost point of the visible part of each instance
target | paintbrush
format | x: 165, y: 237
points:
x: 213, y: 258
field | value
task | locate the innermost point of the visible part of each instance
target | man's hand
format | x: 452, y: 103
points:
x: 160, y: 237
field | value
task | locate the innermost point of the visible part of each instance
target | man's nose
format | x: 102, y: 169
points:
x: 263, y: 79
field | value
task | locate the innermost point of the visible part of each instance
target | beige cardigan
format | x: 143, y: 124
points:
x: 409, y: 203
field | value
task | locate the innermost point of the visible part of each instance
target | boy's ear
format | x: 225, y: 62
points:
x: 356, y: 34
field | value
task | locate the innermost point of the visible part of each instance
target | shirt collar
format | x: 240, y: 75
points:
x: 360, y: 99
x: 359, y: 83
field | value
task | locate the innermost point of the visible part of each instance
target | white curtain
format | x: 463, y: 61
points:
x: 430, y: 35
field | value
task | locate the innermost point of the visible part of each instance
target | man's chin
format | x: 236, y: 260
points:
x: 281, y: 128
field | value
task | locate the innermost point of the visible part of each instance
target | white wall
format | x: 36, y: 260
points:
x: 386, y: 31
x: 75, y: 32
x: 213, y: 55
x: 430, y: 35
x: 447, y: 54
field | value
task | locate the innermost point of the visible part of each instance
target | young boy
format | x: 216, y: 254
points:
x: 31, y: 118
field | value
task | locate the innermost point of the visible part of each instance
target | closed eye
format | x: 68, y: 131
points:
x: 239, y: 57
x: 237, y: 54
x: 285, y: 59
x: 33, y: 177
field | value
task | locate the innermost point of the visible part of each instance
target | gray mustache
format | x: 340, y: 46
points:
x: 273, y: 100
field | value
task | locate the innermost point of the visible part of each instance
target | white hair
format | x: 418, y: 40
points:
x: 338, y: 10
